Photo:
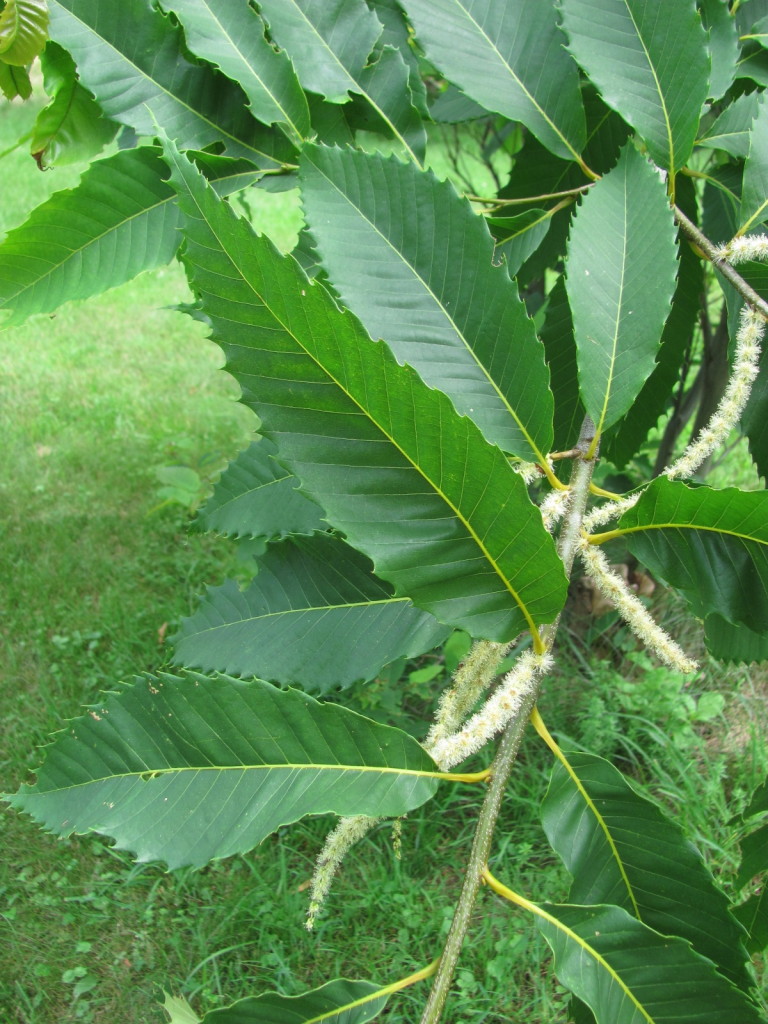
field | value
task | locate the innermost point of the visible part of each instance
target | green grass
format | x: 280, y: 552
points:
x: 92, y: 402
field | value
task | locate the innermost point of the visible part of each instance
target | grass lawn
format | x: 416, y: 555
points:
x: 95, y: 576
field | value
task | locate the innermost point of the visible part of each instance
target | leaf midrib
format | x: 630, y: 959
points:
x: 441, y: 306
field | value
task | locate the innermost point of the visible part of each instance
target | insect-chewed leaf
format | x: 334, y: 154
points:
x: 408, y: 481
x: 188, y: 770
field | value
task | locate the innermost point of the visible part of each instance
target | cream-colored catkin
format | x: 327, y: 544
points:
x: 632, y: 610
x: 610, y: 510
x: 471, y: 679
x: 726, y: 416
x: 495, y: 714
x: 529, y: 471
x: 337, y: 843
x: 744, y: 248
x: 554, y: 507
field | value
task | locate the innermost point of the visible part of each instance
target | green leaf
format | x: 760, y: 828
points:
x: 132, y: 59
x: 409, y: 482
x: 753, y: 914
x: 731, y: 130
x: 754, y: 419
x: 256, y: 497
x: 121, y: 219
x: 649, y: 60
x: 330, y: 42
x: 519, y: 236
x: 397, y: 34
x: 711, y: 545
x: 337, y: 1002
x: 723, y: 45
x: 620, y: 849
x: 72, y: 127
x: 629, y: 974
x: 731, y: 643
x: 560, y: 347
x: 188, y: 770
x: 754, y: 193
x: 406, y: 278
x: 231, y: 37
x: 315, y: 615
x: 754, y: 855
x: 179, y: 1010
x: 23, y: 31
x: 14, y: 82
x: 632, y: 430
x: 507, y: 56
x: 622, y: 266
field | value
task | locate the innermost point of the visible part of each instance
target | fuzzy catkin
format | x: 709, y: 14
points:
x: 470, y: 681
x: 337, y: 844
x: 726, y: 416
x: 495, y: 714
x: 744, y: 248
x: 632, y: 610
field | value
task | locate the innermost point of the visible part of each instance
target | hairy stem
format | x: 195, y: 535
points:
x: 507, y: 753
x: 726, y: 269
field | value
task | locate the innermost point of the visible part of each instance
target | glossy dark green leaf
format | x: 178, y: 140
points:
x: 187, y: 770
x: 723, y: 45
x: 23, y: 31
x: 129, y: 56
x: 629, y: 974
x: 397, y: 34
x: 508, y: 58
x: 121, y: 219
x: 620, y: 849
x: 231, y: 37
x: 396, y: 244
x: 337, y: 1002
x: 256, y: 497
x: 519, y: 236
x: 754, y: 193
x: 315, y: 615
x: 560, y: 347
x: 753, y: 914
x: 712, y: 545
x: 730, y: 643
x: 621, y: 275
x: 754, y: 855
x: 650, y: 61
x: 631, y: 431
x: 72, y: 127
x: 409, y: 482
x: 731, y: 130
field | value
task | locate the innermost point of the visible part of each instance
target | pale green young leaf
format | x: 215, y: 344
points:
x: 121, y: 219
x: 754, y: 192
x: 628, y: 973
x: 257, y: 497
x: 231, y: 37
x: 23, y: 31
x: 406, y: 276
x: 620, y: 849
x: 314, y: 615
x: 190, y: 769
x: 731, y: 131
x: 72, y: 127
x: 179, y: 1010
x: 712, y: 545
x: 622, y: 268
x: 408, y: 481
x: 509, y: 57
x: 14, y: 81
x: 650, y: 61
x: 723, y: 45
x: 132, y: 59
x: 336, y: 1002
